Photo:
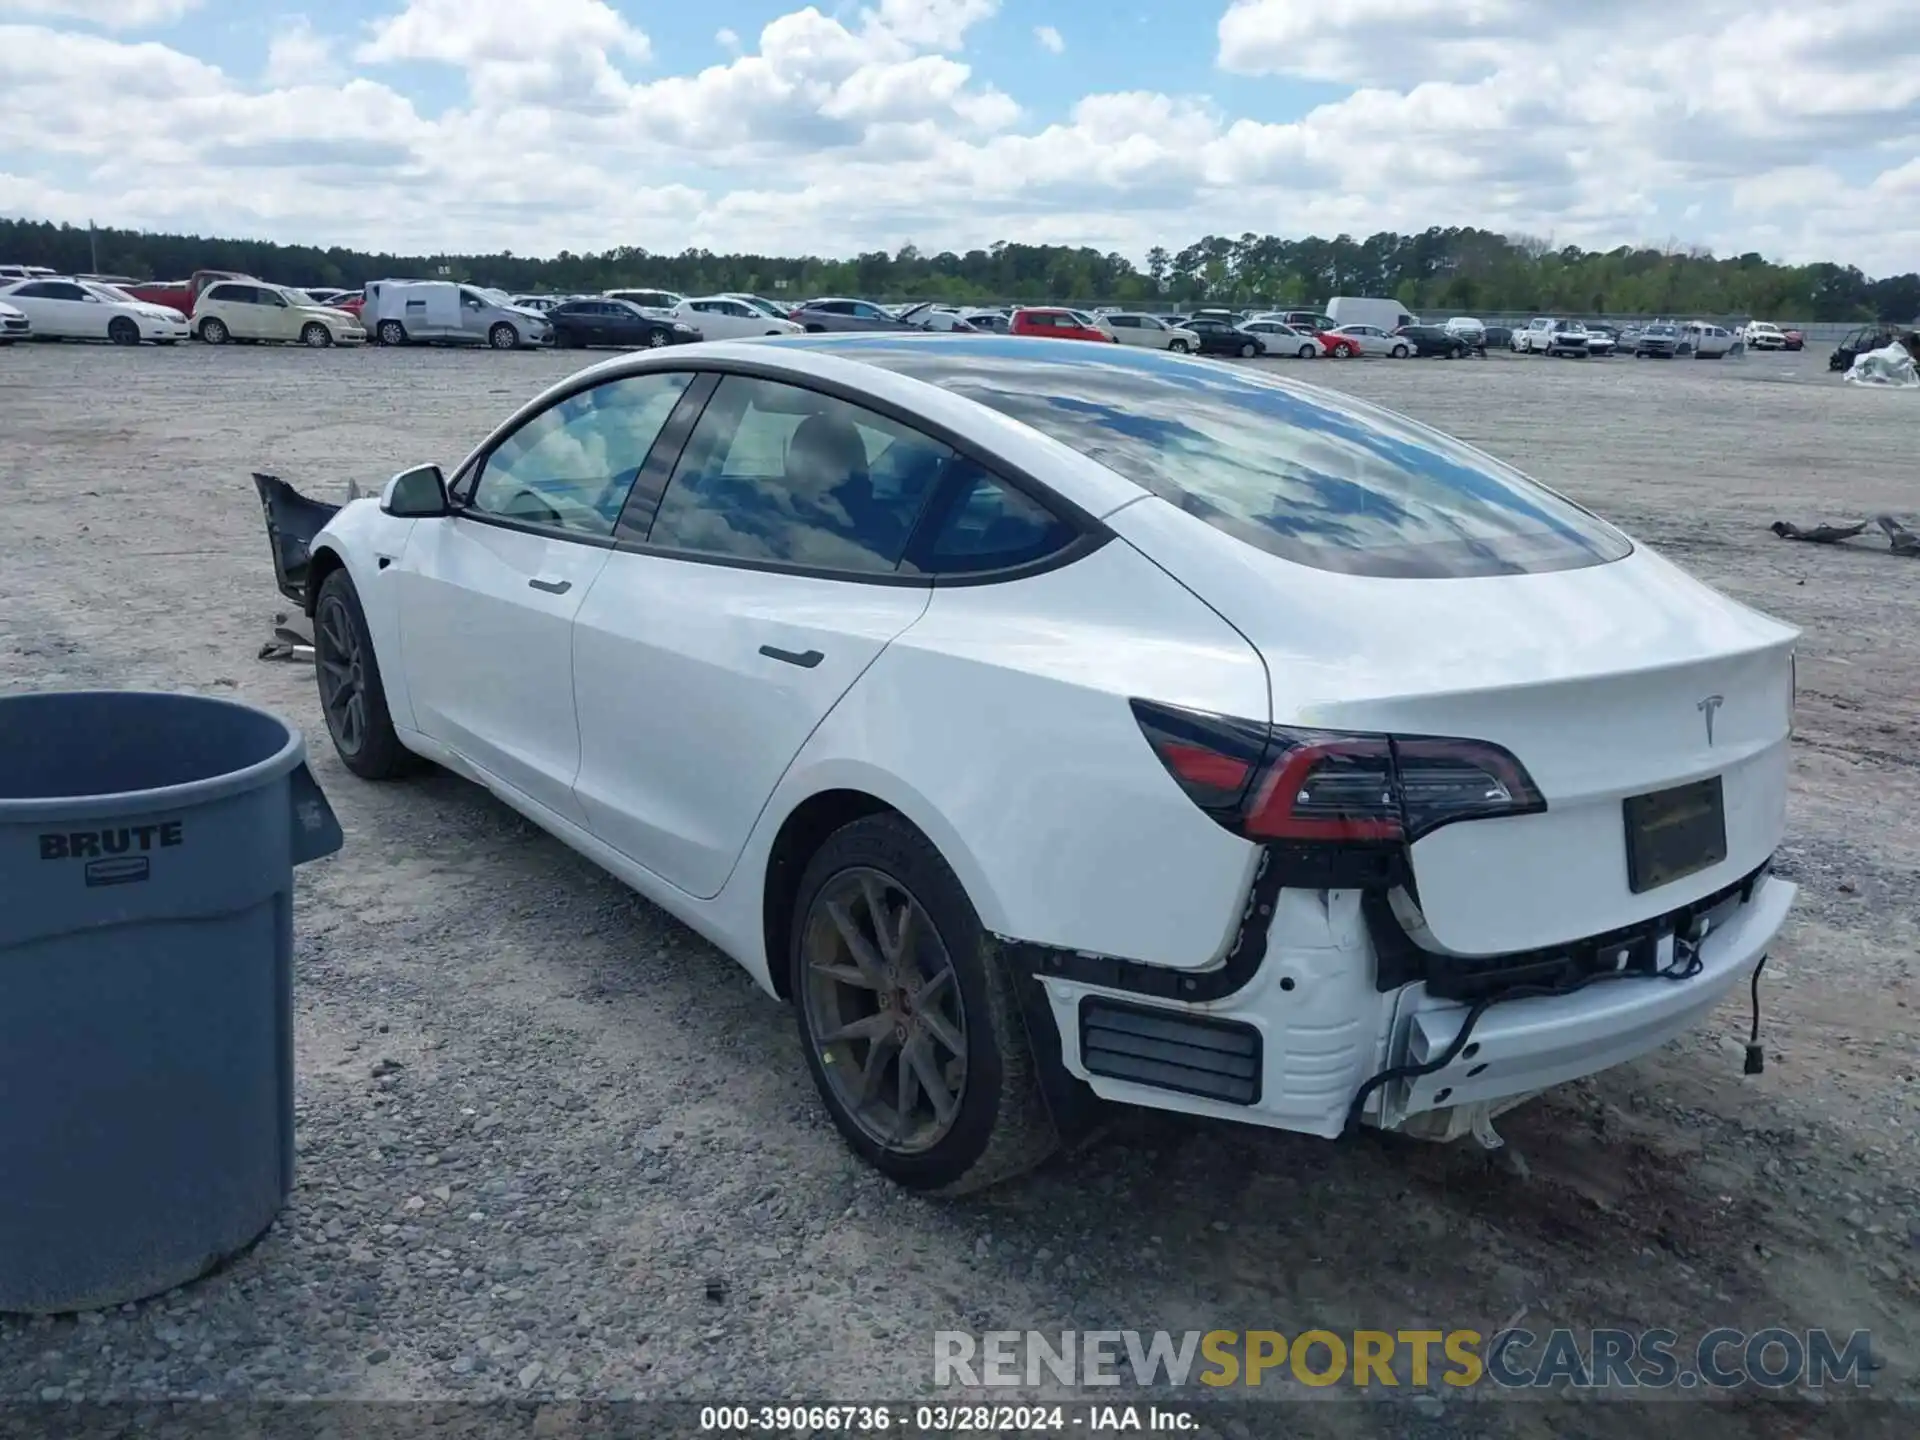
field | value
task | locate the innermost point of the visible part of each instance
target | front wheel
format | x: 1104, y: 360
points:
x: 351, y: 694
x: 316, y: 336
x: 503, y: 337
x: 907, y: 1010
x: 391, y: 332
x: 1178, y: 347
x: 656, y: 339
x: 1399, y: 352
x: 1306, y: 352
x: 123, y: 331
x: 213, y: 332
x: 1249, y: 350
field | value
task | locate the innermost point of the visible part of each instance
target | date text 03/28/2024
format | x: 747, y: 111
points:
x: 943, y: 1419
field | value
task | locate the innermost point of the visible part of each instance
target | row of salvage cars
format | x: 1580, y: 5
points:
x: 1656, y: 340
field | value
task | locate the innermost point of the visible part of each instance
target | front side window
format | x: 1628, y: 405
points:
x: 1312, y: 476
x: 570, y: 467
x: 776, y: 473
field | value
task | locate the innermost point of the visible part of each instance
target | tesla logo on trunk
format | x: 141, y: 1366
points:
x: 1707, y: 707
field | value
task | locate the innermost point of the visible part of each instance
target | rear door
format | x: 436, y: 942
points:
x: 736, y: 612
x: 488, y: 595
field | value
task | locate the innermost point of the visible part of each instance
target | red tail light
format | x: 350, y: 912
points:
x: 1284, y: 783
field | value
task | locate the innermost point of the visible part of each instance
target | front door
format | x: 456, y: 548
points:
x: 489, y: 594
x: 766, y: 584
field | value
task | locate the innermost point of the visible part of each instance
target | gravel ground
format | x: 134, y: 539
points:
x: 553, y: 1145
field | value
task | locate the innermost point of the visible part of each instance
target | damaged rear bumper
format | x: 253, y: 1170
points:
x: 1327, y: 1030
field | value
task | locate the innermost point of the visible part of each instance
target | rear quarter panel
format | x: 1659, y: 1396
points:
x: 999, y: 724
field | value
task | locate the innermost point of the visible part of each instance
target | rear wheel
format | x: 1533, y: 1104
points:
x: 909, y: 1016
x: 391, y: 332
x: 123, y: 331
x: 316, y: 336
x: 503, y: 337
x: 351, y: 694
x: 213, y: 332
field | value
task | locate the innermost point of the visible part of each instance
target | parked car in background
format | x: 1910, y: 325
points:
x: 14, y: 324
x: 250, y: 310
x: 1054, y: 323
x: 1859, y: 342
x: 1338, y: 346
x: 1550, y: 335
x: 596, y: 320
x: 835, y: 313
x: 181, y: 295
x: 1602, y: 339
x: 924, y: 673
x: 1222, y: 337
x: 721, y: 317
x: 1386, y: 316
x: 1372, y: 340
x: 1283, y: 339
x: 539, y: 304
x: 661, y: 303
x: 1133, y: 327
x: 936, y: 319
x: 414, y: 312
x: 1311, y: 320
x: 1436, y: 340
x: 996, y: 321
x: 1763, y: 335
x: 1498, y: 337
x: 60, y: 309
x: 1661, y: 340
x: 1795, y: 340
x: 1710, y: 341
x: 11, y: 273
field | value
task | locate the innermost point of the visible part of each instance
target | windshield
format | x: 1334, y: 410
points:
x: 108, y: 292
x: 765, y: 307
x: 1310, y: 475
x: 1661, y: 330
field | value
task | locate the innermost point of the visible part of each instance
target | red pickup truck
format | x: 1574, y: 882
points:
x: 179, y: 294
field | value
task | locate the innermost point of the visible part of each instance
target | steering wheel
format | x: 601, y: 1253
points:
x: 537, y: 508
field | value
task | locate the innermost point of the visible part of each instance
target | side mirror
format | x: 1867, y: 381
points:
x: 416, y: 494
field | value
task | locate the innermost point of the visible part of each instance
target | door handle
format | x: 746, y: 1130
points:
x: 552, y: 587
x: 805, y: 659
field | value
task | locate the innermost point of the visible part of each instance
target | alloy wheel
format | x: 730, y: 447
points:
x: 883, y: 1005
x: 339, y: 665
x: 656, y: 338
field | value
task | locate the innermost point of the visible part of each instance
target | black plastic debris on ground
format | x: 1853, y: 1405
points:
x: 1902, y: 540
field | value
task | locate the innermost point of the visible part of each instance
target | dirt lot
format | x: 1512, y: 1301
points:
x: 538, y: 1118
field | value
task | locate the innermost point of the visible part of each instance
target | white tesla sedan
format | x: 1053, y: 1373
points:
x: 65, y: 309
x: 1045, y: 723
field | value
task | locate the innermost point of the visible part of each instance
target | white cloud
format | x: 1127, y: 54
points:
x: 298, y: 55
x: 1050, y: 39
x: 108, y: 14
x: 727, y: 39
x: 1773, y: 126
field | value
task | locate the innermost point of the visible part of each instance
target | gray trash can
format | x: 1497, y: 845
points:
x: 147, y: 846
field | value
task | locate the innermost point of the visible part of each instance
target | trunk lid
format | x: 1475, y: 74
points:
x: 1607, y: 682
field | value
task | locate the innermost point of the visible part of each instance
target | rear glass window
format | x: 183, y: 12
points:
x: 1307, y: 474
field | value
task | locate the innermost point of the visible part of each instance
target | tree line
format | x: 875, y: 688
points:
x: 1455, y: 270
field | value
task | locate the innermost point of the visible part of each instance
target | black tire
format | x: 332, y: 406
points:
x: 503, y: 337
x: 122, y: 331
x: 1307, y: 352
x: 315, y: 336
x: 375, y: 753
x: 657, y: 338
x: 391, y: 332
x: 1000, y: 1126
x: 1399, y: 352
x: 1178, y: 347
x: 1249, y: 350
x: 213, y: 332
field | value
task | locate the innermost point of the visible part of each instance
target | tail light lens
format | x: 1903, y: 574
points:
x: 1284, y: 783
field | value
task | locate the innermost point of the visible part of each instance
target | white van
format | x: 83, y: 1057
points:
x: 409, y: 312
x: 1389, y: 315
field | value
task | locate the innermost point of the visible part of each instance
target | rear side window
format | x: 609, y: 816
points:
x: 990, y: 526
x: 776, y: 473
x: 1312, y: 476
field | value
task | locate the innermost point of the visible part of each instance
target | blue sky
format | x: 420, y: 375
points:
x: 539, y: 125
